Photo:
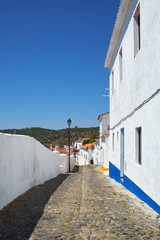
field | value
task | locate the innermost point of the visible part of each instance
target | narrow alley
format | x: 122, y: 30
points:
x: 82, y: 205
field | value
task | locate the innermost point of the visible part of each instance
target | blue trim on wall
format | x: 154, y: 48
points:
x: 114, y: 173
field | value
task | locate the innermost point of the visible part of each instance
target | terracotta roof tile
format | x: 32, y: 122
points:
x: 89, y: 145
x: 102, y: 115
x: 104, y: 135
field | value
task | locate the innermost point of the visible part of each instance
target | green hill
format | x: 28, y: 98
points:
x: 54, y: 137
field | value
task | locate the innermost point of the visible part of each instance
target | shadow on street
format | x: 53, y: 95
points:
x: 76, y: 169
x: 19, y: 218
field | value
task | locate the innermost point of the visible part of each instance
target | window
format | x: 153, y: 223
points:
x: 117, y: 136
x: 120, y: 65
x: 137, y: 31
x: 113, y: 142
x: 139, y: 145
x: 112, y: 82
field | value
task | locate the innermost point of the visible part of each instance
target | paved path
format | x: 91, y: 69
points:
x: 87, y: 205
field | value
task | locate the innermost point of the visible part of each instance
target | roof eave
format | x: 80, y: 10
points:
x: 121, y: 16
x: 100, y: 115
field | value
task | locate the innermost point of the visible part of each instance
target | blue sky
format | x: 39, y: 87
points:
x: 52, y: 56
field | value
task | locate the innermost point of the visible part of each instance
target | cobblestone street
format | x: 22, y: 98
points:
x: 82, y: 205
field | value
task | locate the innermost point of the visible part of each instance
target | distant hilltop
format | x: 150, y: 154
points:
x: 55, y: 137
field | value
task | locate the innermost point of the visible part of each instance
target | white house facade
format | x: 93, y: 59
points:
x: 78, y: 144
x: 86, y: 154
x: 134, y: 59
x: 96, y: 153
x: 103, y: 147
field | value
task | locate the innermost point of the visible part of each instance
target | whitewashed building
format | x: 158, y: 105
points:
x: 103, y: 145
x: 134, y: 58
x: 78, y: 144
x: 96, y: 153
x: 86, y: 154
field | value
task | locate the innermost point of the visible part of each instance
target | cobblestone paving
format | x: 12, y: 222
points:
x: 89, y: 205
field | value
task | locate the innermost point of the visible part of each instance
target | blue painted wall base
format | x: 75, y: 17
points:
x: 114, y: 173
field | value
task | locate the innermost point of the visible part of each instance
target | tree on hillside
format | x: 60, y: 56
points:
x: 91, y: 140
x: 85, y: 142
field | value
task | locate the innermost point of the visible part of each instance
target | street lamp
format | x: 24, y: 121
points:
x: 69, y: 123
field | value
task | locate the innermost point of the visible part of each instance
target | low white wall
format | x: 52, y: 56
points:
x: 64, y: 163
x: 85, y: 156
x: 25, y: 162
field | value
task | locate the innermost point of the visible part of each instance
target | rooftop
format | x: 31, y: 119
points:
x: 121, y: 16
x: 100, y: 115
x: 89, y: 145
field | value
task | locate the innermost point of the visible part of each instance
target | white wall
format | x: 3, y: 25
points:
x: 104, y: 123
x: 77, y: 145
x: 85, y: 156
x: 96, y: 154
x: 106, y: 152
x: 141, y: 79
x: 64, y: 163
x: 140, y: 74
x: 103, y: 150
x: 146, y: 176
x: 24, y: 162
